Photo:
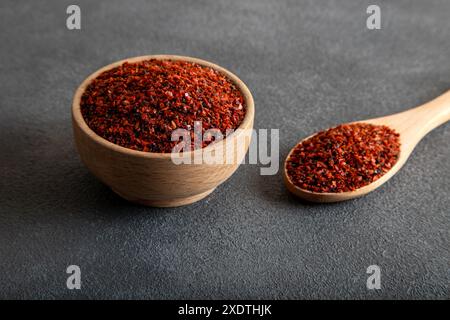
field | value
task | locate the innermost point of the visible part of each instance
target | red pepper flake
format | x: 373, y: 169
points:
x: 138, y: 105
x: 343, y: 158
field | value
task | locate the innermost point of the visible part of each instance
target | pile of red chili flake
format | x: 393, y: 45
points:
x: 344, y: 158
x: 138, y: 105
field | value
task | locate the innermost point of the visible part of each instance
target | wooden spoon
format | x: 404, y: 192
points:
x: 412, y: 125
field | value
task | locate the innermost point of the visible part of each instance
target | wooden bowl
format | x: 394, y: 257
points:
x: 150, y: 178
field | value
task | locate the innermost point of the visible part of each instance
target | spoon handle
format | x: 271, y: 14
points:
x: 433, y: 113
x: 414, y: 124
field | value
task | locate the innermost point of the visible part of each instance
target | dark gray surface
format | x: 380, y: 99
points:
x: 309, y: 65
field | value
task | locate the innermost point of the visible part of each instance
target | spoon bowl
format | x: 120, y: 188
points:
x: 412, y: 125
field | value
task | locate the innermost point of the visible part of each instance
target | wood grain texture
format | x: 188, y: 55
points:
x: 153, y: 178
x: 412, y: 125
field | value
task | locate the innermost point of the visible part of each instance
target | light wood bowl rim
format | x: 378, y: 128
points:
x: 81, y: 123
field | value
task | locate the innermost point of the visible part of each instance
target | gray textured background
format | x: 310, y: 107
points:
x: 310, y: 65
